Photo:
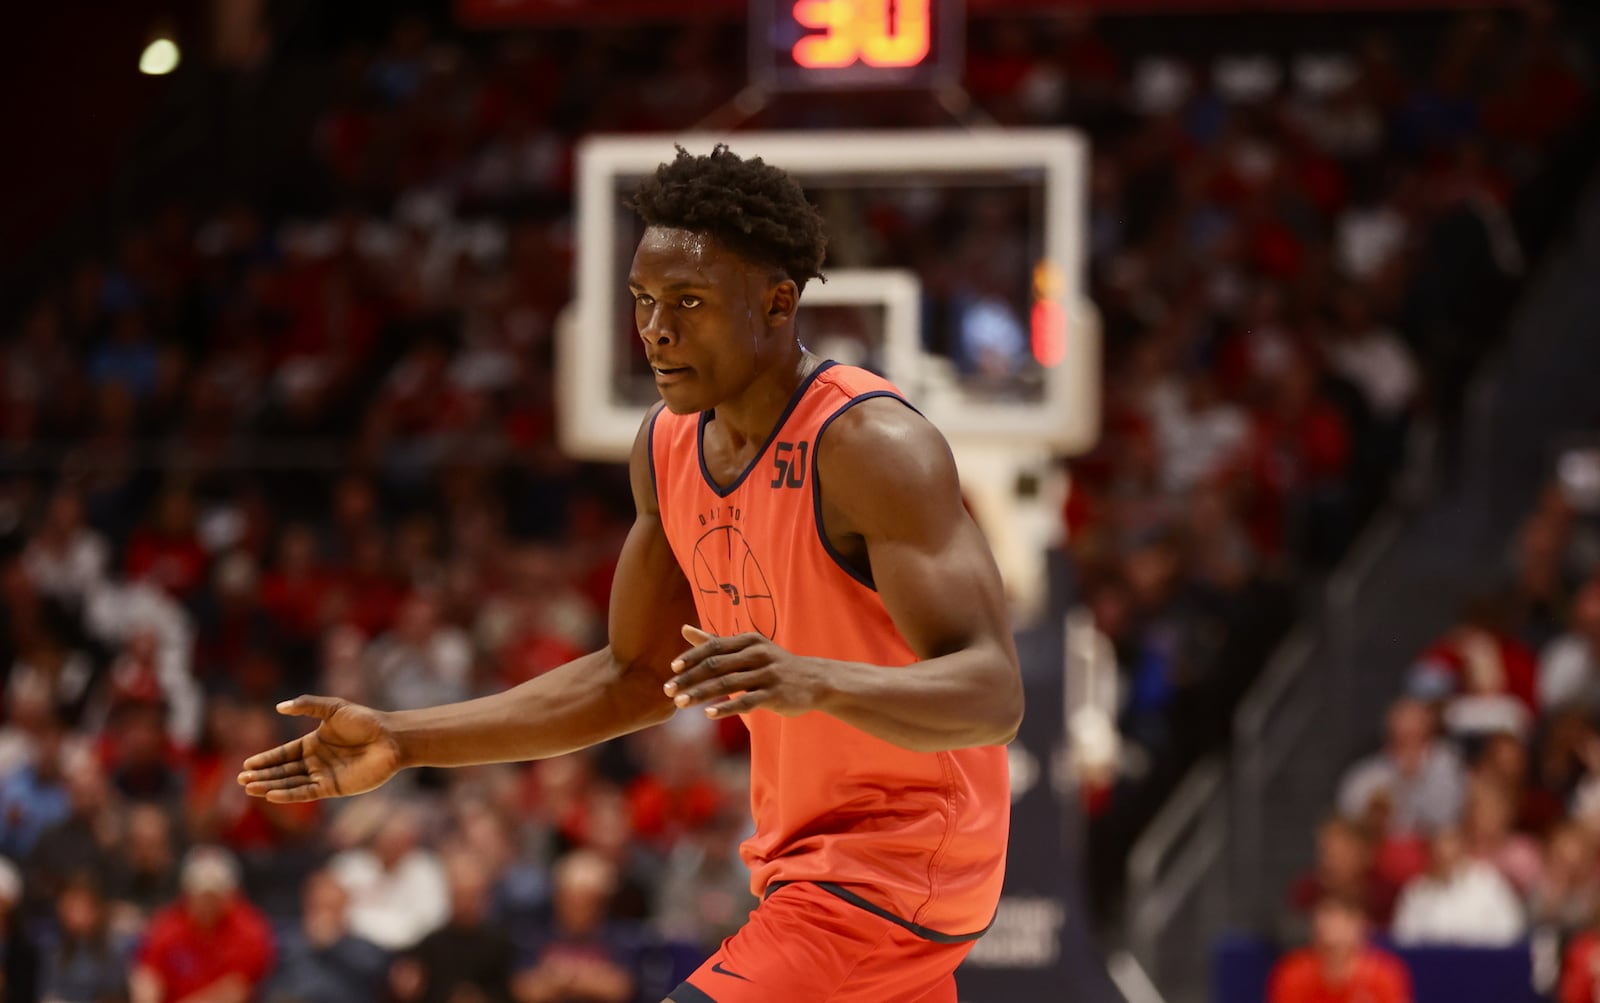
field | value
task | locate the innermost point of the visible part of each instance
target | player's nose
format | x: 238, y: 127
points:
x: 657, y: 328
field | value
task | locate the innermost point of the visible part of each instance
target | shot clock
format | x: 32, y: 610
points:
x: 810, y: 44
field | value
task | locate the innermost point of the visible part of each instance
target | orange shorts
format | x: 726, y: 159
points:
x: 805, y: 944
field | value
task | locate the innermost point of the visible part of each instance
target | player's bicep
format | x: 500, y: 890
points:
x: 943, y: 595
x: 893, y: 476
x: 650, y: 597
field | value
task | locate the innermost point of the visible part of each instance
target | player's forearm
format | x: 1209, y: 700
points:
x: 586, y: 701
x: 964, y: 699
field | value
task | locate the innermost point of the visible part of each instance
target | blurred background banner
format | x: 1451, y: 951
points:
x: 505, y: 13
x: 1042, y: 938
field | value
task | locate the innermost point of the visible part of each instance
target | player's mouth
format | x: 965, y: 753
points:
x: 669, y: 374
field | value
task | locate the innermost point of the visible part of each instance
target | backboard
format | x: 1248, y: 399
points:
x: 1008, y: 203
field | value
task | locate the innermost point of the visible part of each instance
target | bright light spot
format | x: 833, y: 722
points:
x: 159, y: 58
x: 1048, y: 282
x: 1049, y: 330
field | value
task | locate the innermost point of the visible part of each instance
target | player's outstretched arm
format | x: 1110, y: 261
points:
x: 599, y: 696
x: 891, y: 495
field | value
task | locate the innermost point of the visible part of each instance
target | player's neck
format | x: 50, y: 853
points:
x: 750, y: 416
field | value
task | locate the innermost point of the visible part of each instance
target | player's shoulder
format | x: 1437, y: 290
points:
x: 843, y: 383
x: 645, y: 436
x: 642, y: 460
x: 662, y: 427
x: 877, y: 451
x: 870, y: 417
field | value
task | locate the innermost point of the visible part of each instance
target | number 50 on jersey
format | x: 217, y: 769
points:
x: 807, y: 44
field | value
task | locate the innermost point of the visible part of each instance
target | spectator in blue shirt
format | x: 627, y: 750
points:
x: 321, y: 961
x: 82, y: 960
x: 34, y: 797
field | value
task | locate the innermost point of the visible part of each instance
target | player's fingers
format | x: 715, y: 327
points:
x: 741, y: 704
x: 309, y: 705
x: 704, y: 646
x: 288, y: 752
x: 294, y: 795
x: 710, y: 646
x: 261, y: 788
x: 721, y: 686
x: 294, y: 768
x: 714, y: 666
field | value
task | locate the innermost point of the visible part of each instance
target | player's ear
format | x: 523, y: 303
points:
x: 783, y: 298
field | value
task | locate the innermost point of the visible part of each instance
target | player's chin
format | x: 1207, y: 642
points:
x: 681, y: 400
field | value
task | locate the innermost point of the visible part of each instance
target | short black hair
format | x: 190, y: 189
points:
x: 754, y: 209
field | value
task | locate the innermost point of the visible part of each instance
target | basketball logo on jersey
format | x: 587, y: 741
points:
x: 734, y: 596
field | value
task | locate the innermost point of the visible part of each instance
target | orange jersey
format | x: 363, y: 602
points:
x: 920, y: 836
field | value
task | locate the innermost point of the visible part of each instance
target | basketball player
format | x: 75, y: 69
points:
x: 801, y: 558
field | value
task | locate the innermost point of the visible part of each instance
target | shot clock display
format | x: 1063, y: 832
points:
x: 805, y: 44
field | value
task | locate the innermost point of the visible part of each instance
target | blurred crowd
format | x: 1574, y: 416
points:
x: 1478, y: 821
x: 1298, y: 260
x: 249, y: 454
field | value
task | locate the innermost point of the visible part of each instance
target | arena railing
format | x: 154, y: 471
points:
x: 1278, y: 713
x: 1180, y: 847
x: 1215, y: 809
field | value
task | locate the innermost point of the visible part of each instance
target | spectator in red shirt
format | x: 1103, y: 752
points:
x: 167, y: 551
x: 355, y: 514
x: 1483, y: 676
x: 1300, y: 453
x: 368, y: 596
x: 141, y: 759
x: 1580, y: 969
x: 1339, y: 966
x: 678, y: 794
x: 232, y: 626
x: 211, y: 946
x: 294, y: 590
x: 1344, y: 867
x: 1503, y: 761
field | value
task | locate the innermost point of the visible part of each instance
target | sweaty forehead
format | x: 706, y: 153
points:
x: 672, y: 254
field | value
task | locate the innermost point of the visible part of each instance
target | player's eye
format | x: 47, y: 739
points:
x: 689, y: 302
x: 643, y: 299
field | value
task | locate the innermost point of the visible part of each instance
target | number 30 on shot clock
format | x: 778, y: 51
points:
x: 804, y: 44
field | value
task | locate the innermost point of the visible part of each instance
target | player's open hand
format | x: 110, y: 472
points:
x: 351, y: 752
x: 759, y: 671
